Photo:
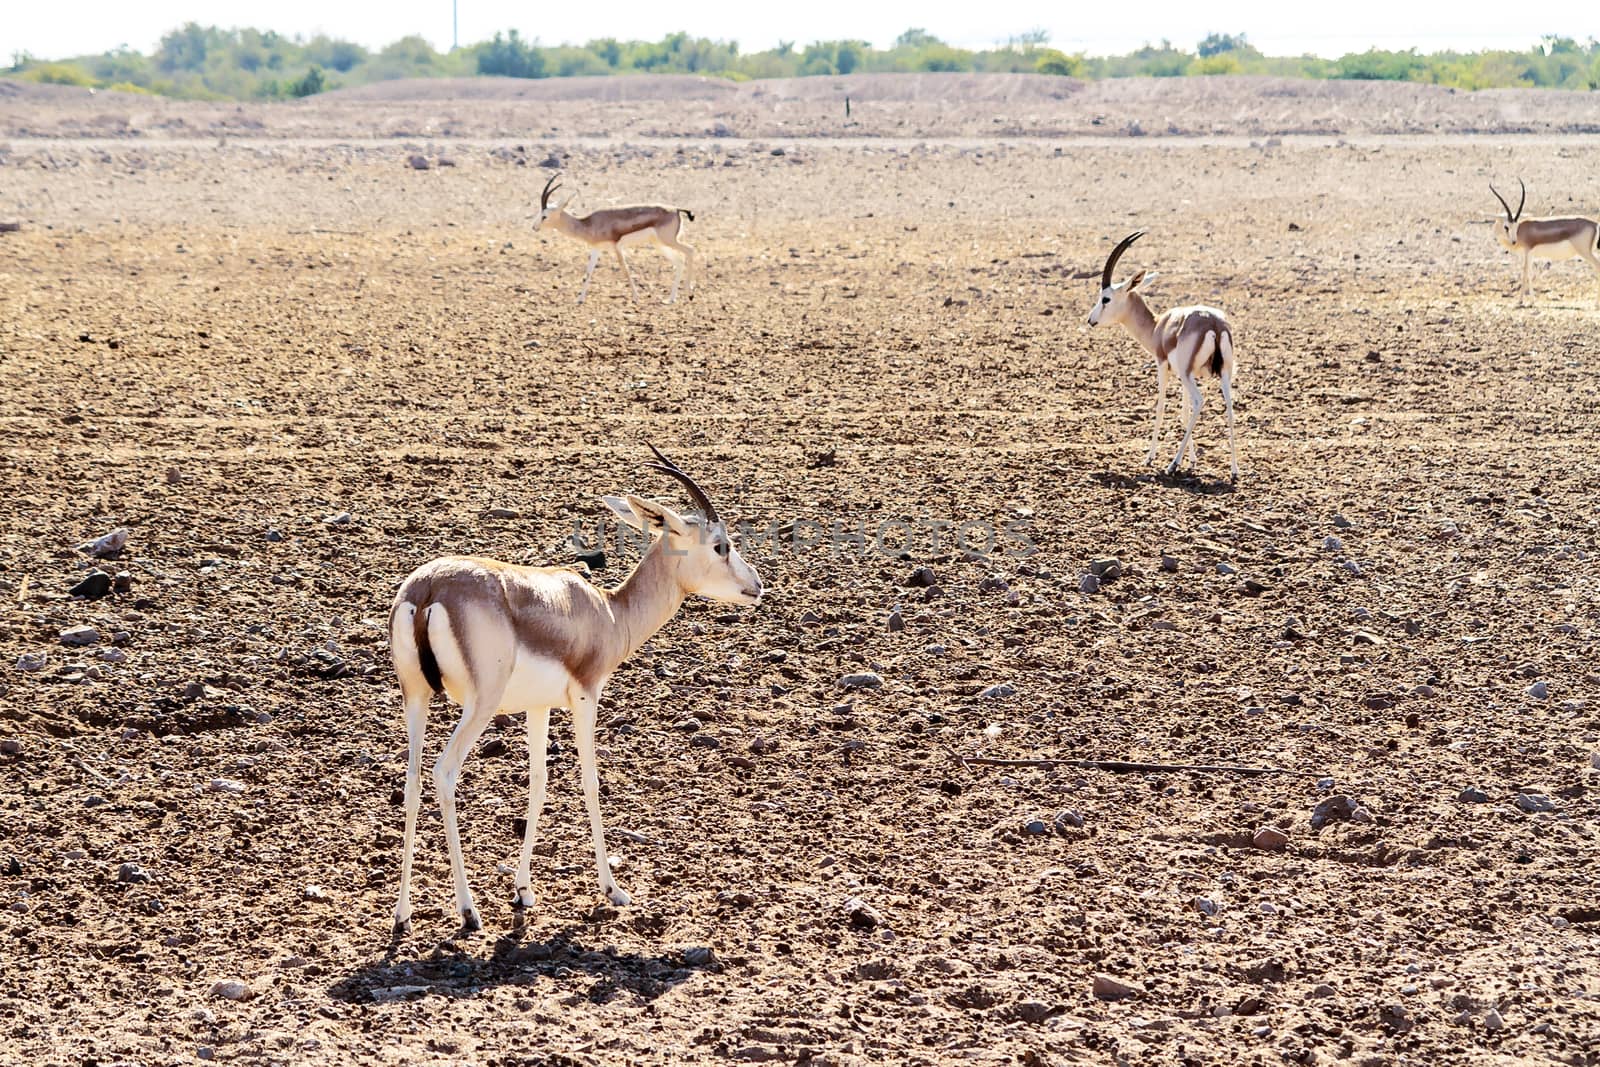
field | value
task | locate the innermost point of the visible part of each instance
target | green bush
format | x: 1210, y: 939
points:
x: 309, y: 85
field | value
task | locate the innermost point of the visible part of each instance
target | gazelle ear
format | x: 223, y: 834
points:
x: 1139, y: 279
x: 644, y: 514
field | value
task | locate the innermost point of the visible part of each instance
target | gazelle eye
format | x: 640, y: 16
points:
x: 722, y: 549
x: 1105, y: 300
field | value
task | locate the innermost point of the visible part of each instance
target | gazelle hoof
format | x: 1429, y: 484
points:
x: 471, y: 922
x: 618, y: 897
x: 402, y: 927
x: 522, y: 899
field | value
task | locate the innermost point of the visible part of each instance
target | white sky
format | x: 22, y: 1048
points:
x: 1277, y: 27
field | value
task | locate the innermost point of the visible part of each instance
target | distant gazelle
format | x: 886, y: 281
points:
x: 1559, y: 237
x: 1189, y: 341
x: 612, y: 228
x: 500, y: 637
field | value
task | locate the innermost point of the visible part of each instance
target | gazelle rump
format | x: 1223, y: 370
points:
x: 1189, y: 341
x: 501, y: 637
x: 1556, y: 237
x: 612, y: 228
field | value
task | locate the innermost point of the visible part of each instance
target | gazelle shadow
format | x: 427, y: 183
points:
x: 452, y: 970
x: 1187, y: 481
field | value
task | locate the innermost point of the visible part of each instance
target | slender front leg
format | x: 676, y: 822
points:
x: 446, y: 772
x: 633, y: 290
x: 585, y: 708
x: 416, y: 722
x: 1196, y: 401
x: 594, y: 257
x: 1161, y: 407
x: 538, y: 742
x: 1527, y: 278
x: 1233, y: 445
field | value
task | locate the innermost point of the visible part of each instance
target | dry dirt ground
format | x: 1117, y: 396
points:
x: 295, y: 370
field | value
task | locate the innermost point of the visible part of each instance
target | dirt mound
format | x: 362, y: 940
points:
x: 935, y: 88
x: 652, y: 87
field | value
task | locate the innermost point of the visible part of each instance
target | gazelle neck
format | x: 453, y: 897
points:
x: 1140, y: 321
x: 646, y: 599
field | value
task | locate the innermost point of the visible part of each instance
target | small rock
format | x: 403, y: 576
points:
x: 225, y: 785
x: 1035, y: 828
x: 1068, y: 820
x: 107, y: 546
x: 1169, y: 563
x: 699, y: 956
x: 232, y: 989
x: 132, y: 873
x: 32, y: 661
x: 1492, y: 1020
x: 863, y: 680
x: 11, y: 746
x: 80, y: 636
x: 273, y: 536
x: 1331, y: 544
x: 1088, y: 584
x: 1034, y: 1011
x: 1334, y: 808
x: 1342, y: 523
x: 1270, y: 839
x: 314, y: 892
x: 1106, y: 569
x: 897, y: 622
x: 1323, y: 989
x: 1205, y: 906
x: 504, y: 513
x: 922, y: 578
x: 96, y: 585
x: 1109, y: 988
x: 416, y: 162
x: 206, y: 1052
x: 112, y: 655
x: 705, y: 741
x: 343, y: 518
x: 1534, y: 803
x: 1539, y: 691
x: 1352, y: 567
x: 1226, y: 569
x: 1361, y: 816
x: 861, y: 915
x: 994, y: 692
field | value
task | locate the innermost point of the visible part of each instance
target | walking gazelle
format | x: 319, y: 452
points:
x: 1189, y: 341
x: 612, y: 228
x: 496, y: 636
x: 1556, y: 237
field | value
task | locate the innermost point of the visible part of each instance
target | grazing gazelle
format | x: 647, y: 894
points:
x: 612, y: 228
x: 1560, y: 237
x: 496, y: 636
x: 1187, y: 340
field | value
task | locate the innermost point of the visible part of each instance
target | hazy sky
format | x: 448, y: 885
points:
x: 1275, y: 26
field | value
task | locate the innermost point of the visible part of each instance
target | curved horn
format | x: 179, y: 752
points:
x: 698, y: 495
x: 1503, y: 203
x: 1116, y: 254
x: 549, y: 187
x: 1523, y: 201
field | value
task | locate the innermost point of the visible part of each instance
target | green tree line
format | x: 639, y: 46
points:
x: 207, y: 62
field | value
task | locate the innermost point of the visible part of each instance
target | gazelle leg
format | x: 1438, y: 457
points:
x: 447, y: 772
x: 1196, y: 401
x: 633, y: 290
x: 585, y: 709
x: 1527, y: 278
x: 1161, y: 407
x: 1594, y: 261
x: 682, y: 263
x: 538, y: 742
x: 594, y: 257
x: 1226, y: 378
x: 416, y: 722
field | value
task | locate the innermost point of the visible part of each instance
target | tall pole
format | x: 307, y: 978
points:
x: 455, y: 27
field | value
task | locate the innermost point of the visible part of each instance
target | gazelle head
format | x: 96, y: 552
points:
x: 1506, y: 232
x: 1113, y: 302
x: 705, y: 560
x: 545, y: 208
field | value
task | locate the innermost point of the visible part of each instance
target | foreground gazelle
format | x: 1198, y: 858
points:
x: 496, y: 636
x: 612, y: 228
x: 1560, y: 237
x: 1186, y: 340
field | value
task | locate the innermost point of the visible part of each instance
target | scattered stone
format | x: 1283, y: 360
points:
x: 1035, y: 828
x: 863, y: 680
x: 699, y: 956
x: 416, y: 162
x: 1068, y: 820
x: 1331, y: 544
x: 1361, y: 816
x: 897, y: 622
x: 11, y: 746
x: 107, y: 546
x: 994, y: 692
x: 1109, y: 988
x: 1342, y: 523
x: 1335, y: 808
x: 504, y: 513
x: 32, y: 661
x: 710, y: 741
x: 80, y: 636
x: 314, y: 892
x: 232, y: 989
x: 1169, y: 563
x: 1226, y: 569
x: 1205, y: 906
x: 861, y: 915
x: 1323, y: 989
x: 922, y: 578
x: 132, y: 873
x: 123, y: 582
x: 96, y: 585
x: 1352, y: 567
x: 1539, y: 691
x: 1088, y: 584
x: 225, y: 785
x: 1492, y: 1020
x: 343, y: 518
x: 1534, y: 803
x: 1106, y: 569
x: 1270, y: 839
x: 1034, y: 1011
x: 274, y: 536
x: 112, y: 655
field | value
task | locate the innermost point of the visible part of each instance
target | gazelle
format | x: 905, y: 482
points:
x: 612, y: 228
x: 1186, y: 340
x: 495, y: 636
x: 1560, y: 237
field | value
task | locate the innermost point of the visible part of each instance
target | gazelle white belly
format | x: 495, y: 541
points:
x: 536, y: 682
x: 1560, y: 250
